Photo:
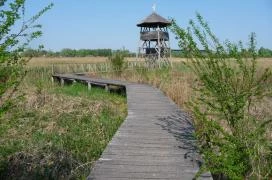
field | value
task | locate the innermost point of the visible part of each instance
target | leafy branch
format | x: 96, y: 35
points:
x: 231, y: 138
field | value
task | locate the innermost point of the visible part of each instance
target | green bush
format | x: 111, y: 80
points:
x: 229, y: 86
x: 13, y: 43
x: 265, y: 52
x: 117, y: 62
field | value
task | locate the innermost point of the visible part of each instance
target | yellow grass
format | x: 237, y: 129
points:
x: 178, y: 87
x: 265, y: 62
x: 44, y: 61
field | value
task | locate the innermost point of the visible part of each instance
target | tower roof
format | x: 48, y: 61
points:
x: 154, y: 20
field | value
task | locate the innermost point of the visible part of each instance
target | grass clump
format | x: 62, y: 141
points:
x: 57, y: 132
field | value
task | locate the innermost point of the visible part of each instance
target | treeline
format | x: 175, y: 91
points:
x: 75, y: 53
x: 262, y: 52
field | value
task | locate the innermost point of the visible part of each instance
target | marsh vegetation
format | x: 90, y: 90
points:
x: 56, y: 132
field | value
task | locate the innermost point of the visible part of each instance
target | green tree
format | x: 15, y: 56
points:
x: 232, y: 139
x: 117, y: 61
x: 264, y: 52
x: 13, y: 44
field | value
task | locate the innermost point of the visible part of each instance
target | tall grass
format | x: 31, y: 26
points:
x: 45, y: 61
x: 175, y: 82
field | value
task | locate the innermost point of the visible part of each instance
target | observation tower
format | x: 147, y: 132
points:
x: 154, y: 43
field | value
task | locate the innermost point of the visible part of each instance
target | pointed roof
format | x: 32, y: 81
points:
x: 154, y: 20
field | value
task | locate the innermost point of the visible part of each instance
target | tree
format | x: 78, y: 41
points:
x: 231, y: 137
x: 264, y: 52
x: 117, y: 61
x: 13, y: 44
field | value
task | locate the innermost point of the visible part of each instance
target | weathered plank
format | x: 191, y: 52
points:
x: 154, y: 142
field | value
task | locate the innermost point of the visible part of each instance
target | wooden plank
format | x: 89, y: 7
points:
x: 154, y: 142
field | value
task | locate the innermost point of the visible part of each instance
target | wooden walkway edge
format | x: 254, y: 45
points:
x: 154, y: 142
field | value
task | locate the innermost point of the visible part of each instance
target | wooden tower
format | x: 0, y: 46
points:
x: 154, y: 43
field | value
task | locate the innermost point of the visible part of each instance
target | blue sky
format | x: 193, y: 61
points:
x: 112, y: 23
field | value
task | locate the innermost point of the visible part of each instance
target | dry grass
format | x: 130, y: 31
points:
x: 45, y: 61
x: 175, y: 84
x: 265, y: 62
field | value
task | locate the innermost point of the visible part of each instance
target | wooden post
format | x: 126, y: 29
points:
x: 82, y: 68
x: 95, y: 68
x: 107, y: 88
x: 52, y: 79
x: 101, y: 67
x: 171, y: 63
x: 159, y: 44
x: 62, y: 82
x: 89, y: 68
x: 52, y: 69
x: 74, y: 81
x: 89, y: 86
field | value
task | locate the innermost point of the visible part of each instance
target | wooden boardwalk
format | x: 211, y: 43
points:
x: 154, y: 142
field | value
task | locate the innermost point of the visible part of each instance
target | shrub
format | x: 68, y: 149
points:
x: 117, y: 62
x: 13, y: 43
x: 232, y: 139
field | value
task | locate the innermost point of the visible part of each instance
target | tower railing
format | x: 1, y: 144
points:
x: 153, y: 35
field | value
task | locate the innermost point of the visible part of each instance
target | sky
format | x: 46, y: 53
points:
x: 93, y: 24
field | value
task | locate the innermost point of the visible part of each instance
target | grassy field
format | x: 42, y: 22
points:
x: 44, y: 61
x: 54, y: 132
x: 176, y: 83
x: 63, y: 130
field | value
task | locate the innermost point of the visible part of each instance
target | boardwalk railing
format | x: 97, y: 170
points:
x: 101, y: 67
x: 44, y: 72
x: 90, y: 67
